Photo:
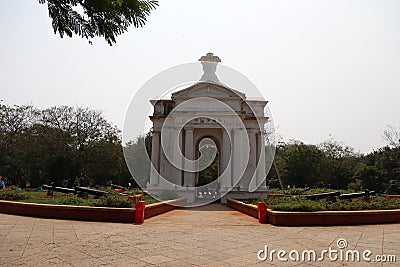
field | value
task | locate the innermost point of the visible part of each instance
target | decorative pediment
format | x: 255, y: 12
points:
x: 208, y: 89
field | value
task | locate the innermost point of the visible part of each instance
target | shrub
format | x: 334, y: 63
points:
x: 12, y: 193
x: 149, y: 199
x: 114, y: 200
x: 294, y: 204
x: 72, y: 199
x: 355, y: 186
x: 302, y: 204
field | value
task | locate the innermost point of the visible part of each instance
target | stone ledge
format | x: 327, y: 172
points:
x: 285, y: 218
x: 249, y: 209
x: 162, y: 207
x: 85, y: 213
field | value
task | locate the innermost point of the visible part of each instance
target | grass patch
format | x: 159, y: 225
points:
x: 112, y: 200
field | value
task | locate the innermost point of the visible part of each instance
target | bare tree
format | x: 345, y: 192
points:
x: 14, y: 120
x: 392, y: 136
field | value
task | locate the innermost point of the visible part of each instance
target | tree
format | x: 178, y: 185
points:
x: 59, y: 144
x: 88, y: 128
x: 392, y: 136
x: 302, y: 164
x: 273, y: 177
x: 14, y: 120
x: 138, y: 158
x: 44, y: 155
x: 103, y: 161
x: 380, y: 170
x: 370, y: 177
x: 339, y: 164
x: 14, y: 123
x: 103, y: 18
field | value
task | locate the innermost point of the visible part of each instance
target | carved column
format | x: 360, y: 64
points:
x: 237, y: 162
x: 261, y: 160
x: 226, y: 155
x: 251, y: 171
x: 155, y: 158
x: 189, y: 154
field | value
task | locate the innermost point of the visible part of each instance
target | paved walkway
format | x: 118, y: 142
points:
x: 207, y: 236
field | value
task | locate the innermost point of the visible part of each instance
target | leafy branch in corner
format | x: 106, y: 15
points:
x: 102, y: 18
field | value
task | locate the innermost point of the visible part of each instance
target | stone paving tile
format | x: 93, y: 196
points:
x: 157, y: 259
x: 176, y: 263
x: 213, y: 235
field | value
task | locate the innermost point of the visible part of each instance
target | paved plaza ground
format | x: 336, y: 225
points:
x: 214, y: 235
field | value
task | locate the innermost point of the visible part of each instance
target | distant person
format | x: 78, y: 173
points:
x: 2, y: 184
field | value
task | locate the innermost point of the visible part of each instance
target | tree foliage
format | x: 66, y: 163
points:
x: 138, y: 155
x: 62, y: 144
x: 103, y: 18
x: 336, y: 166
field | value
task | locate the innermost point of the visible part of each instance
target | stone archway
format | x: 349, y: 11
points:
x: 201, y: 137
x: 208, y: 109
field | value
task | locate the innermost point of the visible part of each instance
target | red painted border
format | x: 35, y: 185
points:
x: 333, y: 217
x: 249, y: 209
x: 162, y: 207
x: 283, y: 218
x: 83, y: 213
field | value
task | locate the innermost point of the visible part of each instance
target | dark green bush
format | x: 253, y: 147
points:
x: 149, y: 199
x: 12, y: 193
x: 360, y: 204
x: 114, y: 200
x: 73, y: 200
x: 301, y: 204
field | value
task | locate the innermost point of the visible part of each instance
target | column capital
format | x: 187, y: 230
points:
x: 237, y: 129
x: 253, y: 130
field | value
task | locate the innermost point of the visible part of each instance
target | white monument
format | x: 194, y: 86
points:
x: 208, y: 109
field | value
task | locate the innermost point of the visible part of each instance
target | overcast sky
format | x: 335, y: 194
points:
x: 327, y: 67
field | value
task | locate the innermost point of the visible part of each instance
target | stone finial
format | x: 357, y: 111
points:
x: 210, y: 58
x: 209, y: 63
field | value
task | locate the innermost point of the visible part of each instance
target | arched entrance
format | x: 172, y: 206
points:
x: 207, y: 151
x: 209, y: 162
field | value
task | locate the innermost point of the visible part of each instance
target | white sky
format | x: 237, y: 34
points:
x: 327, y: 67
